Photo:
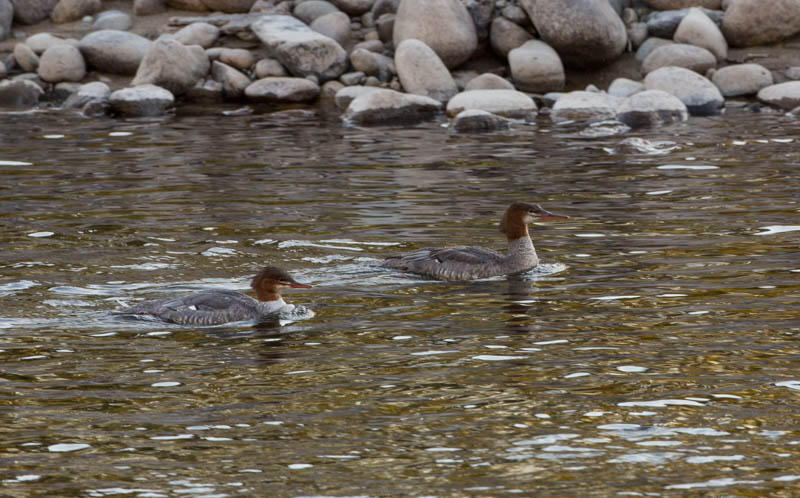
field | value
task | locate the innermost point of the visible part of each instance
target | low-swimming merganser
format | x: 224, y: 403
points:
x: 215, y: 307
x: 467, y: 263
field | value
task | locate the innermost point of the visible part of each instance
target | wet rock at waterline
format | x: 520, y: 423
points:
x: 276, y: 90
x: 347, y: 94
x: 144, y: 100
x: 701, y: 97
x: 651, y: 108
x: 198, y: 33
x: 584, y: 106
x: 784, y: 95
x: 475, y: 120
x: 390, y: 107
x: 506, y: 103
x: 301, y: 50
x: 19, y: 93
x: 96, y: 90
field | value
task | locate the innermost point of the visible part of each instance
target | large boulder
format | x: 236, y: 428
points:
x: 651, y: 108
x: 383, y: 106
x: 691, y: 57
x: 144, y: 100
x: 113, y: 51
x: 741, y: 79
x: 585, y: 106
x: 585, y: 33
x: 758, y: 22
x: 700, y: 96
x: 506, y: 103
x: 62, y: 63
x: 785, y: 95
x: 32, y: 11
x: 536, y: 67
x: 172, y: 65
x: 301, y: 50
x: 422, y: 72
x: 277, y: 90
x: 697, y: 29
x: 443, y: 25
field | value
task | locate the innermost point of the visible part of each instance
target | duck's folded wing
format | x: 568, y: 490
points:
x: 465, y: 255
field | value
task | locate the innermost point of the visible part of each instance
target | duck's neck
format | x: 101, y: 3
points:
x: 266, y: 295
x: 267, y: 307
x: 521, y: 253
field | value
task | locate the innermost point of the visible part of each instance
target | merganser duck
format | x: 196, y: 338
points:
x: 468, y: 263
x: 215, y: 307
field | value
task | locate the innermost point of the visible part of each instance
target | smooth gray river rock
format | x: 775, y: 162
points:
x: 372, y: 64
x: 383, y: 106
x: 741, y: 79
x: 691, y: 57
x: 504, y: 36
x: 114, y: 51
x: 651, y: 108
x: 354, y: 7
x: 422, y: 72
x: 536, y: 67
x: 784, y: 95
x: 172, y: 65
x: 6, y: 18
x: 488, y: 81
x: 585, y: 33
x: 758, y: 22
x: 276, y: 90
x: 32, y: 11
x: 269, y: 67
x: 585, y: 106
x: 311, y: 10
x: 624, y: 87
x: 113, y: 19
x: 475, y: 120
x: 62, y: 62
x: 72, y: 10
x: 233, y: 81
x: 96, y: 90
x: 649, y: 45
x: 698, y: 29
x: 301, y: 50
x: 443, y: 25
x: 26, y: 58
x: 506, y: 103
x: 664, y: 23
x: 143, y: 100
x: 42, y: 41
x: 199, y: 33
x: 19, y: 93
x: 336, y: 26
x: 701, y: 97
x: 237, y: 57
x: 347, y: 94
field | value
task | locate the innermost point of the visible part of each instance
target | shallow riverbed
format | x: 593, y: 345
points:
x: 654, y: 352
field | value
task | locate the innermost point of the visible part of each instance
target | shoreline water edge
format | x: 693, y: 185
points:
x: 485, y: 64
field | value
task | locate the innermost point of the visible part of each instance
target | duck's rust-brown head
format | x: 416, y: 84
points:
x: 269, y: 282
x: 516, y: 218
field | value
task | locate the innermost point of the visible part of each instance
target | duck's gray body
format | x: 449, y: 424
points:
x: 213, y: 307
x: 467, y: 263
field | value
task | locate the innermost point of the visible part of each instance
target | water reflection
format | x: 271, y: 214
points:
x: 651, y: 352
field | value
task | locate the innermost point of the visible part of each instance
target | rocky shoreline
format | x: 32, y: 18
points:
x: 484, y: 63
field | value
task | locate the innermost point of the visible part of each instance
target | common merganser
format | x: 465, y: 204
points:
x: 215, y: 307
x: 468, y: 263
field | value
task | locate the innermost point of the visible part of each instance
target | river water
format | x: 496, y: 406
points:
x: 654, y: 353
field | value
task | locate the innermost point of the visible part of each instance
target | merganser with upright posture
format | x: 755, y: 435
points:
x: 468, y: 263
x: 215, y: 307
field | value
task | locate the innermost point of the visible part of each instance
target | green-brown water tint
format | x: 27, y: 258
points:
x: 654, y: 352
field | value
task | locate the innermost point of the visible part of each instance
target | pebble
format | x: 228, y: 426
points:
x: 741, y: 79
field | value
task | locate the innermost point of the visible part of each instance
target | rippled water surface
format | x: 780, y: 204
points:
x: 654, y: 353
